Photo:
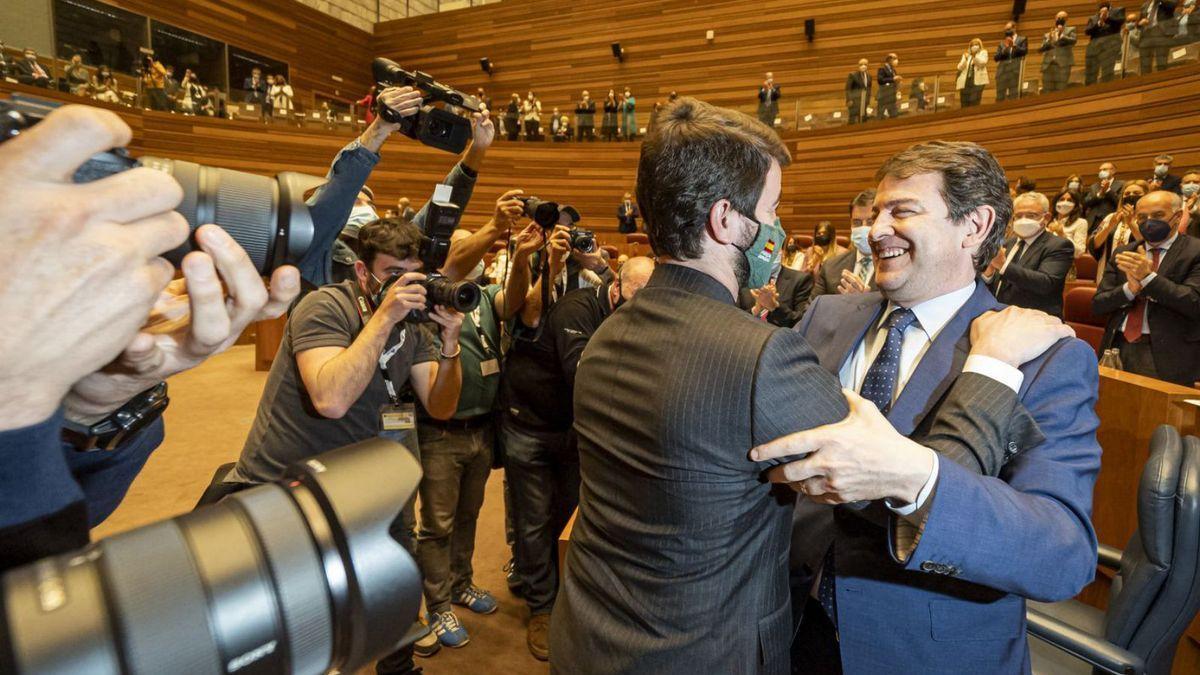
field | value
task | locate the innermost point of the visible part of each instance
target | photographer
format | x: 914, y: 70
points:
x: 82, y: 271
x: 541, y: 463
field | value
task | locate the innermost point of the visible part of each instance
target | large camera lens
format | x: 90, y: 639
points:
x: 296, y: 577
x: 462, y: 296
x: 543, y: 213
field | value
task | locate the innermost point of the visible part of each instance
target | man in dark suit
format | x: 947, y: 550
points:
x: 1101, y: 198
x: 768, y: 100
x: 677, y: 561
x: 1104, y: 44
x: 1010, y: 55
x: 1031, y: 267
x: 858, y: 93
x: 255, y: 87
x: 1152, y: 295
x: 782, y: 301
x: 1155, y: 42
x: 627, y: 215
x: 938, y: 584
x: 1058, y: 54
x: 852, y: 271
x: 30, y: 72
x: 1162, y: 178
x: 889, y: 81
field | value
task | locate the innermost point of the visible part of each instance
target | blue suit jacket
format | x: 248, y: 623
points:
x: 957, y: 604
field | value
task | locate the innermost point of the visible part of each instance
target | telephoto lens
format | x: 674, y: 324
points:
x: 300, y: 576
x: 461, y: 296
x: 543, y: 213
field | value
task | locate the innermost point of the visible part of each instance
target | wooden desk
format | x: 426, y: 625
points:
x: 267, y: 336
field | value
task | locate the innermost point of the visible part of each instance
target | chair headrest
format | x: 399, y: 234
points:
x: 1157, y: 493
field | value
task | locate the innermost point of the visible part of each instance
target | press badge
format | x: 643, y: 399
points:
x: 402, y: 417
x: 489, y: 367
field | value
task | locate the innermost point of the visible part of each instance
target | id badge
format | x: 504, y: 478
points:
x: 489, y: 367
x: 401, y: 417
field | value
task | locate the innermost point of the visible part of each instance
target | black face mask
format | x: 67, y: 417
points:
x: 822, y: 239
x: 1130, y: 200
x: 1009, y: 33
x: 1060, y: 22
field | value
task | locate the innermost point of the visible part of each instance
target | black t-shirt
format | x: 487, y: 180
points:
x: 539, y: 376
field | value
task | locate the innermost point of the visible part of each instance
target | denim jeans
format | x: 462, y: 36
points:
x: 456, y: 465
x: 543, y: 478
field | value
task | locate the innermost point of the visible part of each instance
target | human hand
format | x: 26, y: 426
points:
x: 1016, y: 335
x: 508, y: 209
x: 767, y: 297
x: 483, y: 130
x: 404, y: 296
x: 450, y: 322
x: 1134, y: 264
x: 404, y: 101
x: 860, y: 458
x: 996, y: 262
x: 851, y: 283
x: 526, y: 242
x: 80, y: 266
x: 193, y: 319
x: 559, y: 249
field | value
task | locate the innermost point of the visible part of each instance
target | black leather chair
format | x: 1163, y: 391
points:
x: 1156, y: 592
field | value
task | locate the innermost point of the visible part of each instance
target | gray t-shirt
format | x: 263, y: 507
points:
x: 287, y: 428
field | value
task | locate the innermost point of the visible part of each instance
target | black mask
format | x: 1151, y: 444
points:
x: 1060, y: 22
x: 1009, y: 33
x: 1130, y: 200
x: 822, y: 238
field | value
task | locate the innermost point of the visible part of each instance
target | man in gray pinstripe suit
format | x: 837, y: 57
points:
x: 678, y: 556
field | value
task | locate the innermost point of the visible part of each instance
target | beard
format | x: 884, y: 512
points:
x: 741, y: 267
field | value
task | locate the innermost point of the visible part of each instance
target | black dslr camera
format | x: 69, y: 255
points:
x: 550, y: 214
x: 435, y: 127
x: 441, y: 219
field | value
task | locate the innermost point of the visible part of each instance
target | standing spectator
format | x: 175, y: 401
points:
x: 560, y: 129
x: 404, y: 210
x: 4, y: 64
x: 104, y: 86
x: 1189, y: 24
x: 1031, y: 267
x: 608, y: 126
x: 484, y: 99
x: 1058, y: 54
x: 1068, y: 221
x: 1162, y: 178
x: 887, y: 80
x: 1154, y: 41
x: 858, y: 92
x: 171, y: 88
x: 585, y: 118
x: 78, y: 76
x: 768, y: 101
x: 1073, y: 183
x: 972, y: 74
x: 1102, y: 197
x: 917, y: 93
x: 627, y: 215
x: 30, y: 72
x: 194, y: 97
x: 1010, y: 56
x: 154, y: 78
x: 1190, y: 189
x: 255, y: 88
x: 532, y: 112
x: 281, y: 95
x: 629, y: 115
x: 1116, y: 230
x: 512, y: 117
x: 1104, y: 47
x: 367, y: 104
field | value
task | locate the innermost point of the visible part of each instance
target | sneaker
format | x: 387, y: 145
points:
x: 449, y: 630
x: 476, y: 599
x: 537, y: 636
x: 515, y: 585
x: 427, y: 645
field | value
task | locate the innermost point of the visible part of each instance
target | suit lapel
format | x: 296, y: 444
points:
x: 1171, y: 256
x: 847, y: 332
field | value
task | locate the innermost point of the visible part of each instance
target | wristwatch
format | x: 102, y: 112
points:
x: 108, y: 434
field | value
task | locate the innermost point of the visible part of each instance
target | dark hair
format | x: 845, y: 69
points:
x: 1026, y: 184
x: 697, y: 155
x: 390, y: 236
x: 864, y: 198
x: 971, y: 178
x: 1076, y: 212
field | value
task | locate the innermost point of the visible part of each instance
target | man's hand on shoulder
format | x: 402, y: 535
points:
x: 1016, y: 335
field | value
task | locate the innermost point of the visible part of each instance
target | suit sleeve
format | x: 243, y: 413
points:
x: 1020, y: 48
x: 819, y: 285
x: 1068, y: 38
x: 787, y: 315
x: 1110, y: 296
x: 1029, y: 531
x: 462, y: 184
x: 1050, y: 273
x: 1182, y: 297
x: 792, y: 392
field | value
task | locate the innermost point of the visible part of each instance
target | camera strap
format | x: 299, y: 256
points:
x: 364, y: 306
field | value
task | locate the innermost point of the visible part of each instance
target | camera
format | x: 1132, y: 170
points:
x: 300, y: 576
x: 435, y: 127
x: 550, y: 214
x: 441, y: 219
x: 266, y: 216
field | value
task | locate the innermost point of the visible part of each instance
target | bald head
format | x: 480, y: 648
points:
x: 1160, y: 205
x: 634, y: 274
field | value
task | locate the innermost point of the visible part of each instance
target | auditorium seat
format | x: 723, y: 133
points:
x: 1085, y: 268
x: 637, y: 238
x: 613, y: 251
x: 805, y: 240
x: 843, y: 241
x: 1077, y: 312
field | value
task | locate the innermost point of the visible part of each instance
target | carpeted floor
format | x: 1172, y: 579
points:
x: 211, y: 411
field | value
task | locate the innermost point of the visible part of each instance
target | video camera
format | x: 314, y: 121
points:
x: 441, y: 219
x: 299, y: 576
x: 435, y: 127
x: 265, y: 216
x: 550, y: 214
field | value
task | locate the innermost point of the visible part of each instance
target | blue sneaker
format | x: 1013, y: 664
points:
x: 448, y: 629
x: 475, y: 599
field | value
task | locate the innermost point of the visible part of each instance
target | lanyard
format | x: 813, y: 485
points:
x: 363, y: 305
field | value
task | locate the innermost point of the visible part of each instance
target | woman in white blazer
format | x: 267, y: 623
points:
x: 972, y: 74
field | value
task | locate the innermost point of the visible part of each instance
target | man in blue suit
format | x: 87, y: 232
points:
x: 938, y: 585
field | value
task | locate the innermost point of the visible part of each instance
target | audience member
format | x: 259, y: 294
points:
x: 793, y: 255
x: 559, y: 126
x: 78, y: 76
x: 254, y: 89
x: 1073, y: 183
x: 1104, y: 47
x: 1068, y: 220
x: 858, y: 92
x: 585, y: 118
x: 1010, y: 57
x: 1031, y: 267
x: 1117, y: 228
x: 30, y: 72
x: 154, y: 77
x: 1162, y: 179
x: 1151, y: 292
x: 1153, y: 42
x: 608, y: 125
x: 1024, y: 184
x: 782, y: 300
x: 532, y: 115
x: 281, y: 95
x: 1102, y: 197
x: 917, y: 93
x: 627, y: 215
x: 1189, y: 188
x: 1058, y: 54
x: 367, y: 104
x: 171, y: 88
x: 104, y: 86
x: 768, y: 100
x: 1189, y: 23
x: 972, y: 74
x: 484, y: 99
x: 629, y: 127
x: 887, y: 81
x: 404, y: 210
x: 854, y: 270
x: 512, y: 117
x: 193, y: 96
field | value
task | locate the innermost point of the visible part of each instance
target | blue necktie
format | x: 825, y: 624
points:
x: 880, y: 382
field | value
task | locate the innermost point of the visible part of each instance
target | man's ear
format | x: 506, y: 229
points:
x: 723, y: 224
x: 363, y: 274
x: 979, y: 224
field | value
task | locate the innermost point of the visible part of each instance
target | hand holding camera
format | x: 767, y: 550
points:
x: 402, y: 295
x: 559, y: 249
x: 450, y: 322
x: 509, y: 208
x: 526, y: 242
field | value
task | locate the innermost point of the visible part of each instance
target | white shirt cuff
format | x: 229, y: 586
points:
x: 1148, y: 279
x: 996, y: 369
x: 1129, y: 295
x: 922, y: 496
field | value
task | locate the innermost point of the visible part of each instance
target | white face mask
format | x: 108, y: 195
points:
x: 1103, y: 174
x: 1161, y: 170
x: 361, y: 215
x: 1190, y: 189
x: 1073, y: 185
x: 1064, y: 208
x: 861, y: 238
x: 1026, y: 227
x: 974, y: 49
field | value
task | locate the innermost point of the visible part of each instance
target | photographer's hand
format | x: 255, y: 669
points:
x: 405, y: 101
x: 194, y: 319
x: 483, y: 132
x: 404, y: 296
x: 450, y: 323
x: 80, y: 266
x: 559, y: 249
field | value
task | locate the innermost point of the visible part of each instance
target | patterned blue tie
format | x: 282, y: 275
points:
x: 880, y: 382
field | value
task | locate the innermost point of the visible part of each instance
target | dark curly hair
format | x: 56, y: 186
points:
x: 391, y: 236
